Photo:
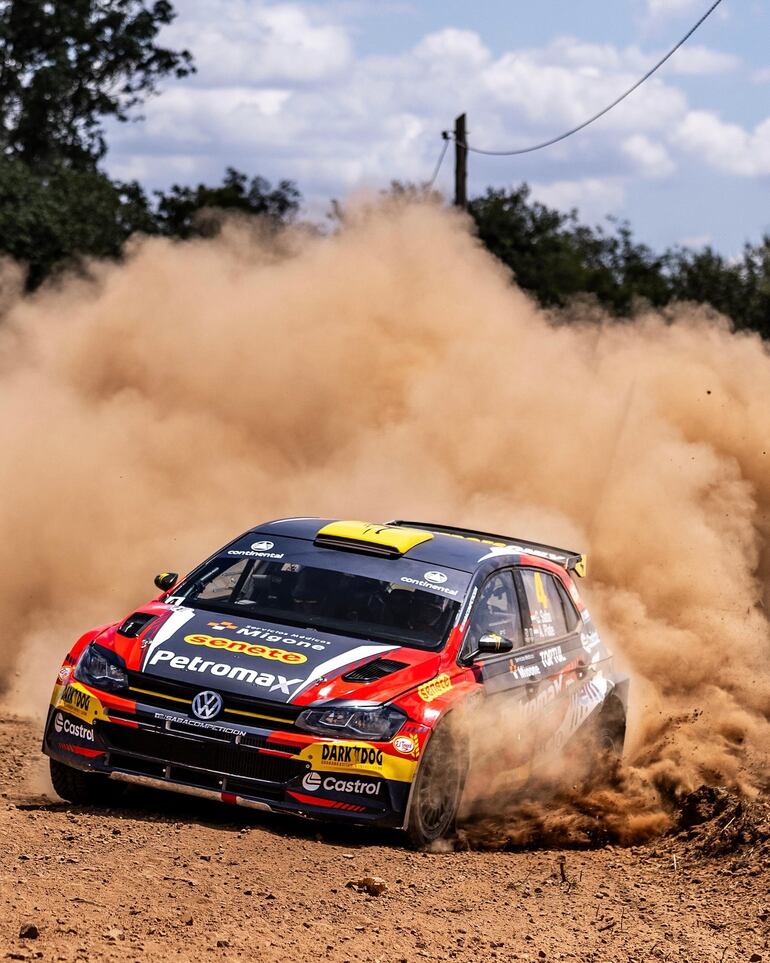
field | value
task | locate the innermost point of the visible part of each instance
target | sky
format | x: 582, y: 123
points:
x: 351, y: 94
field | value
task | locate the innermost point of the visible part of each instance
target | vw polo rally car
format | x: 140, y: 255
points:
x: 322, y: 668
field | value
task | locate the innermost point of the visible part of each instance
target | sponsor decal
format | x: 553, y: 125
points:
x: 207, y: 705
x: 523, y: 671
x: 312, y: 782
x: 65, y: 674
x: 406, y: 745
x: 77, y: 701
x: 247, y: 648
x: 273, y: 635
x: 225, y: 670
x: 552, y: 656
x: 350, y: 755
x: 357, y: 787
x: 438, y: 578
x: 263, y: 549
x: 197, y: 724
x: 65, y: 726
x: 421, y: 583
x: 435, y: 688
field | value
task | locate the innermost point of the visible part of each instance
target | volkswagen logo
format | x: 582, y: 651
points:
x: 207, y: 705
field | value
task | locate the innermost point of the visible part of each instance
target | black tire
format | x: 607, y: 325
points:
x: 610, y: 732
x: 598, y: 746
x: 437, y: 789
x: 83, y: 788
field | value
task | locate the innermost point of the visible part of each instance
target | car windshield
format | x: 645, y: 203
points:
x: 341, y: 602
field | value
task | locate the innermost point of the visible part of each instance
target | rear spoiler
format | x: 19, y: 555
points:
x: 571, y: 561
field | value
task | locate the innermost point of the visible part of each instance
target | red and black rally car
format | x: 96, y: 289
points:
x: 320, y: 667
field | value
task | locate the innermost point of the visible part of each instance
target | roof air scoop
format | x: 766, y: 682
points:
x: 373, y: 539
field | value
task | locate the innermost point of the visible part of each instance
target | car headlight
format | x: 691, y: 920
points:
x: 101, y: 668
x: 379, y: 723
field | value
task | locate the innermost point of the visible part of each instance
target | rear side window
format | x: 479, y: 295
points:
x: 497, y: 610
x: 551, y: 614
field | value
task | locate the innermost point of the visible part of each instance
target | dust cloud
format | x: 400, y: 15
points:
x: 392, y: 370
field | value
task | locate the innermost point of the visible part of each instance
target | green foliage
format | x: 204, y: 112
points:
x: 52, y: 221
x: 69, y: 64
x: 187, y: 211
x: 555, y: 257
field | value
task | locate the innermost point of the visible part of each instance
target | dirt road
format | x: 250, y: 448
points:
x: 169, y: 878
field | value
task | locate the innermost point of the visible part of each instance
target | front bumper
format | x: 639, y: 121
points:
x: 254, y: 757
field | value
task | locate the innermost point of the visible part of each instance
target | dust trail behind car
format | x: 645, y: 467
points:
x: 392, y: 370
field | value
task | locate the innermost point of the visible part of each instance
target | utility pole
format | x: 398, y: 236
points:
x: 461, y: 164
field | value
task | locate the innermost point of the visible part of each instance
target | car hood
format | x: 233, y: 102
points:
x: 267, y: 661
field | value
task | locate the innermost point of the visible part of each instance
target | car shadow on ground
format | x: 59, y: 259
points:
x: 156, y: 805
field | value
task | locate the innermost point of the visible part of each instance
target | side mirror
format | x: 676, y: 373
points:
x: 166, y: 580
x: 494, y: 643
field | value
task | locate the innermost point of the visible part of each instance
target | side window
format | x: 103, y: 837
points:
x: 571, y: 614
x: 497, y: 610
x: 548, y: 613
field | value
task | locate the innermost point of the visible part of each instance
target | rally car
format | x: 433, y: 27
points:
x: 335, y: 669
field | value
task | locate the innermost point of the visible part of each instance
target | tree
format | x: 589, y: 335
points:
x: 554, y: 256
x: 187, y: 211
x: 51, y: 221
x: 67, y: 65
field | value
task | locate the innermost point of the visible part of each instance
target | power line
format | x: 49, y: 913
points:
x: 440, y: 160
x: 606, y: 110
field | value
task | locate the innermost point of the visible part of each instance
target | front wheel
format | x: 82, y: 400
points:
x: 437, y: 789
x: 83, y: 788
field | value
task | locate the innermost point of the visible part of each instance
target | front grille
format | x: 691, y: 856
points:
x: 229, y: 759
x: 151, y: 690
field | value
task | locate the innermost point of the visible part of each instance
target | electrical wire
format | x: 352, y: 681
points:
x: 429, y: 184
x: 606, y: 110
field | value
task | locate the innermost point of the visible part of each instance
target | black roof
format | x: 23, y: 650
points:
x: 456, y: 548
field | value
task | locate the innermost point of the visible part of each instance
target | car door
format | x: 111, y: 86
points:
x: 554, y: 651
x: 501, y: 743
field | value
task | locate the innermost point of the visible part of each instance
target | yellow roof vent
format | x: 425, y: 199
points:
x: 367, y: 537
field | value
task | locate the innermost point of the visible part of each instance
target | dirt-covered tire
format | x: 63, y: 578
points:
x: 610, y: 729
x: 83, y: 788
x: 437, y: 790
x: 598, y: 745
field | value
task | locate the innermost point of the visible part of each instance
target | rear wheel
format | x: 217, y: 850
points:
x: 84, y: 788
x: 437, y: 789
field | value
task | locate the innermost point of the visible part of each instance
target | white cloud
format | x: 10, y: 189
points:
x: 594, y: 197
x: 281, y: 92
x: 761, y: 76
x: 664, y: 9
x: 650, y: 157
x: 697, y: 60
x: 727, y: 147
x: 697, y: 240
x: 249, y: 41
